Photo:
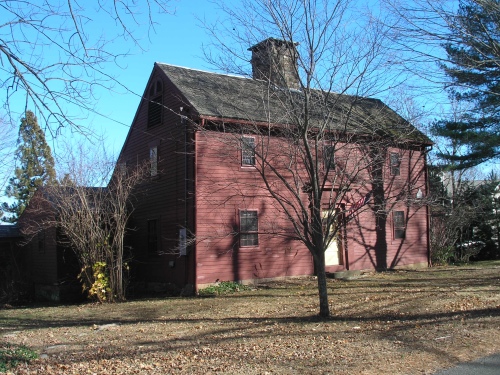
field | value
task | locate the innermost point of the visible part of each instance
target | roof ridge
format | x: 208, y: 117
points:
x: 205, y: 71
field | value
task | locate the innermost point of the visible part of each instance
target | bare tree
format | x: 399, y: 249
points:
x: 318, y: 143
x: 54, y: 54
x: 91, y: 216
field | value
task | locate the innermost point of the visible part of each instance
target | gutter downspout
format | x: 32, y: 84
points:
x: 427, y: 212
x: 185, y: 122
x: 195, y: 201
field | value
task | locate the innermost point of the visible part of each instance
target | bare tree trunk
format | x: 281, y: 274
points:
x: 324, y: 307
x: 119, y: 287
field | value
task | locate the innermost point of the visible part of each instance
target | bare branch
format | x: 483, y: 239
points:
x: 54, y: 58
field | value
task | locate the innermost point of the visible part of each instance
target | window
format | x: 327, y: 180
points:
x: 155, y: 88
x: 399, y: 224
x: 329, y: 156
x: 153, y: 159
x: 122, y: 167
x: 395, y: 161
x: 154, y: 110
x: 249, y: 227
x: 155, y: 104
x: 153, y: 236
x: 41, y: 242
x: 248, y: 151
x: 182, y: 241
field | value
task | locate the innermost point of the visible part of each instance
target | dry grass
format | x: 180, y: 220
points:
x: 405, y: 322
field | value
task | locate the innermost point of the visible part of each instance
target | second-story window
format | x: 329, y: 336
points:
x: 122, y: 168
x: 153, y: 160
x: 248, y: 151
x: 395, y: 163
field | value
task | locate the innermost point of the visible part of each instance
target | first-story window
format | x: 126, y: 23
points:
x: 329, y: 157
x: 249, y: 228
x: 399, y: 224
x: 247, y: 151
x: 41, y: 241
x: 153, y: 236
x: 153, y: 159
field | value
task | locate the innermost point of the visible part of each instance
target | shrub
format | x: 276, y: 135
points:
x: 222, y: 287
x: 466, y: 250
x: 442, y: 255
x: 100, y: 289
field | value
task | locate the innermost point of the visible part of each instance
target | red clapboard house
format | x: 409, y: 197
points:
x: 207, y: 216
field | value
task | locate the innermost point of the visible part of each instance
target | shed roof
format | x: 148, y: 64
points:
x: 9, y: 231
x: 240, y: 98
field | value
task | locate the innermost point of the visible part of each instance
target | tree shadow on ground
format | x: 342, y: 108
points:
x: 396, y: 315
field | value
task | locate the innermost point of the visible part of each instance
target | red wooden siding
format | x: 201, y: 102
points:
x: 223, y: 187
x: 163, y: 197
x: 203, y: 186
x: 370, y: 247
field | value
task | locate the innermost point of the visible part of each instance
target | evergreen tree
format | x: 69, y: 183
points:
x: 473, y: 51
x: 36, y: 167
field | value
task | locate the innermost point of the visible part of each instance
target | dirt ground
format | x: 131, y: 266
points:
x: 403, y: 322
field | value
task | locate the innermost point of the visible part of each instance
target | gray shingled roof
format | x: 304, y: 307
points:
x: 239, y: 98
x: 9, y: 231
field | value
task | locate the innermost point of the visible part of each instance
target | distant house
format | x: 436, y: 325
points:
x: 10, y: 259
x: 9, y: 235
x: 35, y: 265
x: 496, y: 211
x: 456, y: 185
x: 206, y: 211
x: 50, y: 267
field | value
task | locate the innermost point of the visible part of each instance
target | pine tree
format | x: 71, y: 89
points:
x: 473, y: 51
x: 36, y: 167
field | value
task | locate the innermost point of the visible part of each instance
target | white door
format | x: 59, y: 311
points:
x: 333, y: 253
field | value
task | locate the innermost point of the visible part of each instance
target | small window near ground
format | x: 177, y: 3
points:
x: 153, y: 159
x: 153, y: 236
x: 249, y: 227
x: 395, y: 160
x: 399, y: 224
x: 248, y: 151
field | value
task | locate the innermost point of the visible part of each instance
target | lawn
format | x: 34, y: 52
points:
x: 402, y: 322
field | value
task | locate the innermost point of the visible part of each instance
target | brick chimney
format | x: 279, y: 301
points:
x: 275, y: 60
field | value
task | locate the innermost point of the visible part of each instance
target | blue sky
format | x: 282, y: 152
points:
x: 177, y: 39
